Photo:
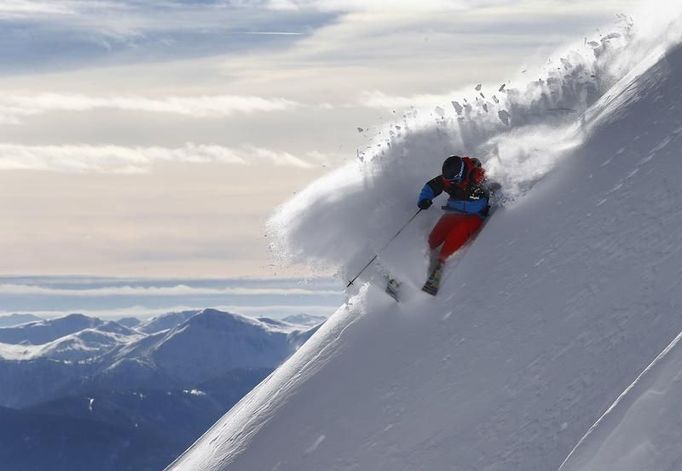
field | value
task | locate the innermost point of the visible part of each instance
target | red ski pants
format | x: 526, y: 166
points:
x: 453, y: 231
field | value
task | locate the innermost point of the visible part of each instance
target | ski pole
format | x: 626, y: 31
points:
x: 383, y: 248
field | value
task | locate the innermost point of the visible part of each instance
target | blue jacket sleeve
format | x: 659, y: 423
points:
x: 431, y: 189
x: 426, y: 193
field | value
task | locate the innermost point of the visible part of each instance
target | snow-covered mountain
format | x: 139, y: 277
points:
x: 117, y: 385
x: 304, y: 319
x: 41, y: 332
x: 16, y: 319
x: 165, y: 321
x: 86, y: 343
x: 131, y: 322
x: 194, y: 348
x: 205, y: 346
x: 31, y: 440
x: 72, y: 338
x: 565, y: 298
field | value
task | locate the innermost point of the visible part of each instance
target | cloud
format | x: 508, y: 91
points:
x: 12, y: 107
x: 121, y: 159
x: 177, y: 290
x: 68, y: 32
x: 40, y: 35
x: 272, y: 33
x: 432, y: 41
x: 13, y: 9
x: 379, y: 5
x: 272, y: 310
x: 430, y: 6
x: 378, y: 99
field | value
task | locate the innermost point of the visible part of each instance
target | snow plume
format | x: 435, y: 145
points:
x: 564, y: 298
x: 520, y: 129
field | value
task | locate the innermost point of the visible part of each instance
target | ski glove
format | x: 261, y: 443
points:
x: 425, y: 204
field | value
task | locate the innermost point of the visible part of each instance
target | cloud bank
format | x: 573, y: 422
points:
x: 120, y: 159
x: 12, y: 107
x: 177, y: 290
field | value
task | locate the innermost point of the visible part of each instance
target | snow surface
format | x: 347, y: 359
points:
x: 642, y: 431
x: 567, y: 295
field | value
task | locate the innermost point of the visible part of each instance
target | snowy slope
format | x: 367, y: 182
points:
x: 568, y: 294
x: 642, y: 431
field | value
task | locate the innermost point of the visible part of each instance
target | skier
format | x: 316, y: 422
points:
x: 463, y: 178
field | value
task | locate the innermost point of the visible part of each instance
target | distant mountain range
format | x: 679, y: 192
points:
x: 304, y: 319
x: 16, y: 319
x: 133, y: 394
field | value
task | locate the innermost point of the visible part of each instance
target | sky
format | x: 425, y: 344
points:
x: 114, y: 298
x: 155, y: 138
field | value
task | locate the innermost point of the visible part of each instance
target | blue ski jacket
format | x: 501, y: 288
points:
x: 464, y: 198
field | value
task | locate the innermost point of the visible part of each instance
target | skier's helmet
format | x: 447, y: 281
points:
x: 453, y: 168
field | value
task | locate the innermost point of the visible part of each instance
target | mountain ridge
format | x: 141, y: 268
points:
x: 190, y: 348
x: 126, y: 399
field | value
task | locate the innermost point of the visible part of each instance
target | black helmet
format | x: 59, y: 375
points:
x: 453, y: 168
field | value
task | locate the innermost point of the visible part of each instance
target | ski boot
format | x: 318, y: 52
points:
x: 393, y: 288
x: 433, y: 282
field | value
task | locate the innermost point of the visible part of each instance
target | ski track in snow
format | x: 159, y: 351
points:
x: 565, y: 297
x: 642, y: 430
